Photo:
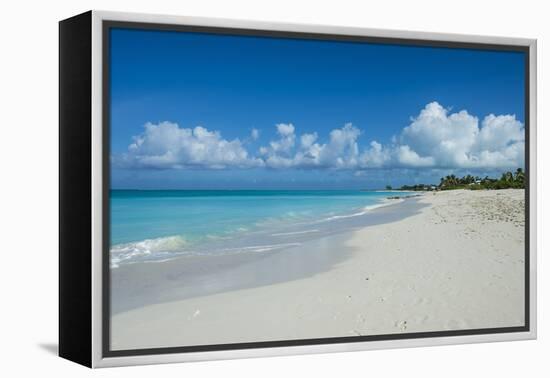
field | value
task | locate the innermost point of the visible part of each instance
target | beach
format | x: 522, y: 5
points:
x: 449, y: 260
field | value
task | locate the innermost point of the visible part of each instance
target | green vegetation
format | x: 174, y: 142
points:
x: 419, y: 187
x: 506, y: 181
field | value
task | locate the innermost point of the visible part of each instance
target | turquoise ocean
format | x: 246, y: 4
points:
x: 159, y: 225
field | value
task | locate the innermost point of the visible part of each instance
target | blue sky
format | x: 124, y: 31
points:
x: 191, y: 110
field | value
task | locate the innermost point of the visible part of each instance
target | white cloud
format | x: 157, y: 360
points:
x: 440, y: 139
x: 255, y: 134
x: 286, y: 140
x: 166, y: 145
x: 376, y: 156
x: 498, y: 132
x: 435, y: 138
x: 307, y: 140
x: 409, y: 158
x: 285, y: 130
x: 341, y: 151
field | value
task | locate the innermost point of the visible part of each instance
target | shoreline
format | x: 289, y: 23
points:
x: 147, y: 283
x: 458, y: 260
x: 216, y: 237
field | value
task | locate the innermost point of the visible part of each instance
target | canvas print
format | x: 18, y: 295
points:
x: 272, y: 188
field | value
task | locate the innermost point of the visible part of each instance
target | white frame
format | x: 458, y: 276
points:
x: 97, y: 187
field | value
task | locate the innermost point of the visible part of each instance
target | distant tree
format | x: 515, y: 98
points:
x: 506, y: 180
x: 468, y: 179
x: 388, y: 187
x: 519, y: 176
x: 507, y: 177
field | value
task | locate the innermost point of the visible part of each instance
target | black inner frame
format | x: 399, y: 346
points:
x: 106, y: 292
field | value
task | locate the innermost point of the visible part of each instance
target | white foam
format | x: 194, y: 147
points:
x: 127, y: 252
x: 260, y: 248
x: 365, y: 210
x: 294, y: 233
x: 165, y: 249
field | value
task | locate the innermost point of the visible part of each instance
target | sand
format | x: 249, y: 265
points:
x: 457, y: 263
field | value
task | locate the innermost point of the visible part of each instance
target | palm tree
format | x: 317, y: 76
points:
x: 468, y: 179
x: 507, y: 177
x: 519, y: 176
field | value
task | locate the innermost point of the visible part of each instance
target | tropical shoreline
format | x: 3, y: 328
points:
x: 162, y: 225
x: 142, y: 284
x: 456, y: 262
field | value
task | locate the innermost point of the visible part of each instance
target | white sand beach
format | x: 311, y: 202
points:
x: 457, y: 263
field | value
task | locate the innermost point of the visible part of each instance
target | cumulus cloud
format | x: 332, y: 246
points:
x: 498, y: 132
x: 286, y: 141
x: 436, y: 138
x: 341, y: 151
x: 376, y: 156
x: 456, y: 140
x: 166, y: 145
x: 410, y: 158
x: 307, y: 140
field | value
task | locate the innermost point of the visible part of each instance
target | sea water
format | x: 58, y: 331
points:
x: 158, y: 225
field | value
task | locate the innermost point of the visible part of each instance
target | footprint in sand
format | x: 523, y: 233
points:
x: 402, y: 325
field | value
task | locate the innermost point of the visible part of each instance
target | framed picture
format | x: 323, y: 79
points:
x: 233, y: 189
